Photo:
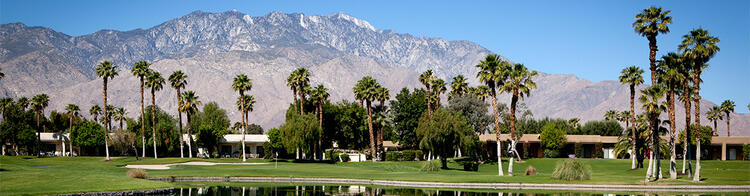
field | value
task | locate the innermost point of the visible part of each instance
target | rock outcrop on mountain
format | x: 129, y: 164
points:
x: 211, y: 48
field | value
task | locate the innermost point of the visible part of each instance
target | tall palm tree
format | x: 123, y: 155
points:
x: 39, y: 103
x: 668, y: 73
x: 727, y: 107
x: 383, y: 95
x: 482, y: 92
x: 714, y: 115
x: 610, y: 115
x: 426, y: 79
x: 302, y: 84
x: 319, y: 96
x: 73, y: 110
x: 650, y: 23
x: 633, y: 77
x: 519, y: 83
x: 369, y: 93
x: 178, y: 81
x: 650, y: 100
x: 624, y: 116
x: 241, y: 84
x: 291, y: 81
x: 459, y: 87
x: 141, y: 70
x: 698, y: 47
x: 121, y: 114
x: 686, y: 97
x: 110, y: 111
x: 23, y: 102
x: 5, y: 102
x: 155, y: 82
x: 106, y: 70
x: 189, y: 106
x: 95, y: 110
x: 249, y: 102
x: 438, y: 85
x: 492, y: 74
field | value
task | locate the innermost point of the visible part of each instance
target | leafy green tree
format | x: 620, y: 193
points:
x: 443, y: 133
x: 124, y: 140
x: 705, y: 140
x: 727, y: 107
x: 552, y: 138
x: 209, y: 137
x: 166, y: 126
x: 698, y: 47
x: 212, y: 115
x: 254, y: 129
x: 633, y: 77
x: 348, y: 120
x: 300, y: 132
x: 106, y: 70
x: 141, y: 70
x: 88, y: 135
x: 178, y: 81
x: 650, y: 23
x: 407, y: 109
x: 474, y: 110
x: 156, y: 83
x: 603, y: 128
x: 17, y: 128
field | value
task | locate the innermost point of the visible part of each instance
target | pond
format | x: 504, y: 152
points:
x: 320, y: 190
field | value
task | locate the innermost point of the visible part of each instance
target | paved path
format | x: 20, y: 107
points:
x: 518, y: 186
x: 166, y: 166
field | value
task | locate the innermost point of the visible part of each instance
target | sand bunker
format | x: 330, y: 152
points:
x: 166, y: 166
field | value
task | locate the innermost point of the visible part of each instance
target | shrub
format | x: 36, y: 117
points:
x: 431, y: 166
x: 552, y: 137
x: 411, y: 155
x: 551, y: 153
x: 578, y: 149
x: 598, y: 151
x: 572, y: 169
x: 393, y: 156
x: 344, y: 157
x: 530, y: 171
x: 746, y: 151
x: 469, y: 163
x: 137, y: 173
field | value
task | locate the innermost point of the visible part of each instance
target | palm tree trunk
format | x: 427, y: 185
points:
x: 70, y: 136
x: 649, y: 171
x: 302, y: 102
x: 372, y: 136
x: 190, y: 136
x: 244, y: 125
x: 320, y: 123
x: 672, y: 129
x: 632, y: 118
x: 686, y: 141
x: 652, y: 57
x: 153, y: 120
x: 728, y: 119
x: 143, y: 125
x: 106, y: 130
x: 697, y: 96
x: 179, y: 115
x: 513, y: 102
x: 657, y: 148
x: 294, y: 92
x: 429, y: 96
x: 716, y: 130
x: 497, y: 133
x: 38, y: 137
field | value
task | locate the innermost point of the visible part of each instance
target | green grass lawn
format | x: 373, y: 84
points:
x: 88, y: 174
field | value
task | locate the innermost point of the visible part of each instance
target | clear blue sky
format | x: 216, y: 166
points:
x: 590, y: 39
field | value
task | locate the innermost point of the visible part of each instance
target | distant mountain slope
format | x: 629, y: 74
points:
x: 214, y: 47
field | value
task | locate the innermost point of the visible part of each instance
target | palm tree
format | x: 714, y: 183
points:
x: 574, y: 122
x: 39, y: 103
x: 106, y: 70
x: 668, y: 73
x: 241, y: 84
x: 302, y: 84
x: 649, y: 23
x: 155, y: 82
x: 633, y: 77
x: 459, y: 87
x: 249, y: 102
x: 686, y: 97
x: 178, y: 81
x: 95, y: 110
x: 189, y: 106
x: 110, y: 111
x: 698, y: 47
x: 319, y: 96
x: 23, y: 102
x: 714, y: 114
x: 121, y: 114
x: 438, y: 85
x: 610, y: 115
x: 492, y: 73
x: 426, y: 79
x: 482, y: 92
x: 73, y: 110
x: 2, y: 75
x: 519, y: 83
x: 727, y: 107
x: 624, y: 116
x: 5, y: 102
x: 369, y: 93
x: 383, y: 95
x: 650, y: 100
x: 291, y: 82
x: 140, y: 69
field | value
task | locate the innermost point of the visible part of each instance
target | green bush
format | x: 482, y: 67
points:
x: 572, y: 169
x: 551, y: 153
x: 411, y: 155
x: 578, y: 149
x: 746, y: 151
x: 393, y: 156
x: 469, y: 163
x: 598, y: 151
x: 344, y: 157
x: 552, y: 137
x: 431, y: 166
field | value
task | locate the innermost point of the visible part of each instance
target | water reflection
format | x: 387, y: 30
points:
x: 380, y: 191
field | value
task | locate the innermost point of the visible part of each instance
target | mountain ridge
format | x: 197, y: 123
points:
x: 213, y: 47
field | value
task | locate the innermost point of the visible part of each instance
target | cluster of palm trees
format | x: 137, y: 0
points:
x: 299, y: 82
x: 675, y: 74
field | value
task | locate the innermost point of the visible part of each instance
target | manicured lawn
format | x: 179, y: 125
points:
x: 88, y: 174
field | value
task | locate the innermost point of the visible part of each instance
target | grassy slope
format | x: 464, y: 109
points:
x: 87, y: 174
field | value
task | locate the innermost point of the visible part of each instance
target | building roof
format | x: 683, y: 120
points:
x: 388, y: 144
x: 54, y: 137
x: 249, y: 138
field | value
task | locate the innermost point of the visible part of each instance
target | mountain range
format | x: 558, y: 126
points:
x: 211, y: 48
